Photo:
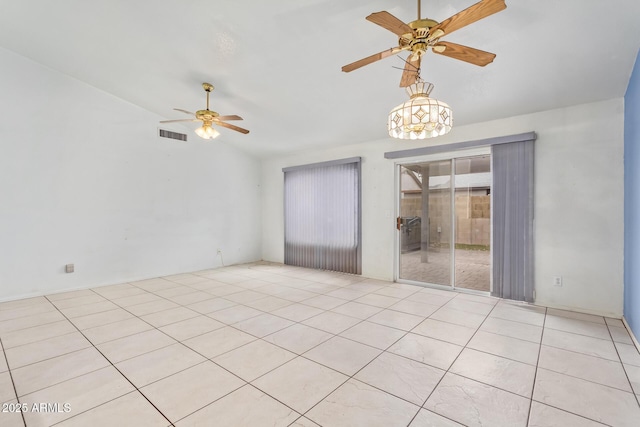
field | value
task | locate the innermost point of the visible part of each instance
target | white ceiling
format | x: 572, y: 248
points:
x: 277, y: 63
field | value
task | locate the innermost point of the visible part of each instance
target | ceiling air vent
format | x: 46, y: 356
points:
x: 163, y: 133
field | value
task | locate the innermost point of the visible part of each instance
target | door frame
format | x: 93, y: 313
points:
x: 452, y: 155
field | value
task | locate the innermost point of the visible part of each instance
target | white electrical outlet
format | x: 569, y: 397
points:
x: 557, y: 280
x: 69, y: 268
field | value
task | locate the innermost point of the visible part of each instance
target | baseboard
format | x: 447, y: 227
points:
x: 633, y: 337
x: 549, y: 304
x: 38, y: 294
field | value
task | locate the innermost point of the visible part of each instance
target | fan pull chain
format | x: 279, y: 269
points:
x: 406, y: 63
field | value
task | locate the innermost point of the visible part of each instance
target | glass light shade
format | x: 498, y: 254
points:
x: 420, y: 117
x: 207, y: 132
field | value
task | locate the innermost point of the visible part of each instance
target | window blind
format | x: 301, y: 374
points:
x: 322, y: 216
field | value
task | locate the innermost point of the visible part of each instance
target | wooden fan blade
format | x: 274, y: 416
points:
x: 373, y: 58
x: 389, y: 22
x: 410, y: 73
x: 468, y: 16
x: 185, y: 111
x: 231, y: 117
x: 179, y: 120
x: 230, y: 126
x: 464, y: 53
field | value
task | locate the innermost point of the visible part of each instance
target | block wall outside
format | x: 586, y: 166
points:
x: 473, y: 218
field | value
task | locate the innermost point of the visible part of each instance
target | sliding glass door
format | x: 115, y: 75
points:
x: 425, y: 223
x: 473, y: 223
x: 444, y: 224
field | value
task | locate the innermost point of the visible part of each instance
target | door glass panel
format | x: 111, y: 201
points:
x: 473, y: 223
x: 425, y: 213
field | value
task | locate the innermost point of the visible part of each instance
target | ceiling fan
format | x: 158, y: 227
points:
x: 208, y: 118
x: 420, y: 35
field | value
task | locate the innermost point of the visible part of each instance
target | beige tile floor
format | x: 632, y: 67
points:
x: 271, y: 345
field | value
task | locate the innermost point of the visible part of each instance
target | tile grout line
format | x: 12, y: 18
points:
x: 103, y: 403
x: 152, y: 326
x: 563, y: 331
x: 535, y: 373
x: 564, y: 316
x: 386, y: 350
x: 52, y: 357
x: 383, y: 351
x: 584, y: 379
x: 333, y: 369
x: 245, y: 383
x: 633, y: 391
x: 581, y: 334
x: 13, y: 383
x: 207, y: 359
x: 33, y: 326
x: 106, y: 358
x: 334, y: 335
x: 197, y: 352
x: 581, y: 353
x: 120, y: 372
x: 463, y: 348
x: 300, y: 322
x: 176, y: 342
x: 446, y: 371
x: 313, y: 361
x: 361, y: 320
x: 266, y: 295
x: 572, y: 413
x: 592, y: 382
x: 292, y: 302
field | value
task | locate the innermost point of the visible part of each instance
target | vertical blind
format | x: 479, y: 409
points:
x: 322, y: 216
x: 512, y: 246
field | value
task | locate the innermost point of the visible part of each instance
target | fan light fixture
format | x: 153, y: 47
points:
x: 420, y: 117
x: 208, y: 118
x: 207, y: 132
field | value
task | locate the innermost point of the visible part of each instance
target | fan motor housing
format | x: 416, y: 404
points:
x: 417, y: 40
x: 206, y: 115
x: 423, y: 23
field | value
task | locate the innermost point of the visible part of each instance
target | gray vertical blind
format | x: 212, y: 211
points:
x: 512, y: 244
x: 322, y: 216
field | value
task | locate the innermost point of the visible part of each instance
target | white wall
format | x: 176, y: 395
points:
x: 578, y: 197
x: 84, y: 179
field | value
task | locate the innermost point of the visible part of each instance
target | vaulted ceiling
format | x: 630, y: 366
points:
x: 277, y: 63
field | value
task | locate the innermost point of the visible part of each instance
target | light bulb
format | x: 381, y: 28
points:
x: 201, y: 132
x: 212, y: 133
x: 207, y: 132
